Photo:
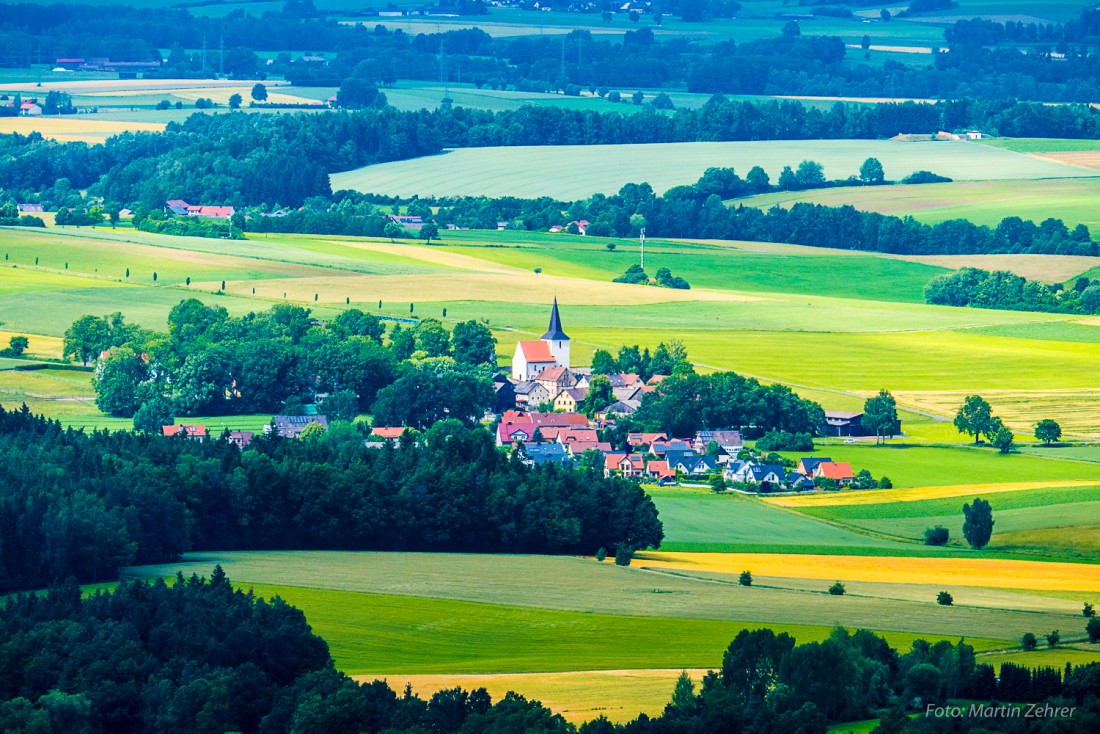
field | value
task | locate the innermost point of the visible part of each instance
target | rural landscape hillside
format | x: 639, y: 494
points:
x: 657, y: 368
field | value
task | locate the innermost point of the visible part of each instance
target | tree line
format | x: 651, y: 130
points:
x: 700, y: 210
x: 209, y: 363
x: 81, y: 505
x: 1007, y: 291
x: 201, y: 655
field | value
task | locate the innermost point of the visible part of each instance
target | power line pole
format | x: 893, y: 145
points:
x: 204, y: 53
x: 641, y: 239
x: 221, y: 55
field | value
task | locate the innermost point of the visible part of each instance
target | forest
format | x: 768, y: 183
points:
x: 198, y: 655
x: 80, y: 505
x: 1008, y: 291
x: 242, y: 159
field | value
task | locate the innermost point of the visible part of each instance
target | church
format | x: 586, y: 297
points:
x: 532, y: 357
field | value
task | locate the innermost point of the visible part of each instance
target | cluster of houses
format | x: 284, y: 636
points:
x: 563, y: 438
x: 287, y: 426
x: 181, y: 208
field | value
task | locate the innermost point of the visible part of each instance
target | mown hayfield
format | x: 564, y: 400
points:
x: 1042, y: 145
x: 574, y: 172
x: 982, y: 572
x: 73, y: 128
x: 983, y: 202
x: 578, y: 696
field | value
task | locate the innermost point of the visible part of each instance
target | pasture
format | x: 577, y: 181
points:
x: 576, y: 172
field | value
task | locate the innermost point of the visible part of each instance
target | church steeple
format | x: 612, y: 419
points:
x: 554, y: 333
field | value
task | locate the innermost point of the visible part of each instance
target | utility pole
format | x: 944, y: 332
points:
x: 204, y: 53
x: 443, y: 70
x: 641, y: 239
x: 221, y: 55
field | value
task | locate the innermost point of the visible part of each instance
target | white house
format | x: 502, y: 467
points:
x: 532, y: 357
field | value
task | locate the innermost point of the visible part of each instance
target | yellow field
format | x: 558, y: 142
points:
x: 469, y: 287
x: 1075, y: 409
x: 914, y: 494
x: 620, y: 695
x: 135, y: 86
x: 1033, y: 267
x: 46, y: 347
x: 984, y: 572
x: 74, y: 128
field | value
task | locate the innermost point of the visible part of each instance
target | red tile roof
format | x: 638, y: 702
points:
x: 183, y: 430
x: 551, y: 374
x: 536, y: 351
x: 387, y: 431
x: 837, y: 470
x: 611, y: 461
x: 659, y: 469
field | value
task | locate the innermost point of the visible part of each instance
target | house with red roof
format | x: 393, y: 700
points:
x: 838, y: 471
x: 659, y: 470
x: 387, y: 433
x: 195, y: 433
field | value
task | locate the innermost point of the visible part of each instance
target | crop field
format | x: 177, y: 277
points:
x: 564, y: 623
x: 1022, y: 409
x: 983, y: 202
x: 575, y: 172
x: 73, y: 128
x: 982, y: 572
x: 914, y: 495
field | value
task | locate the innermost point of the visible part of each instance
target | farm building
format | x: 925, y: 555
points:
x: 196, y: 433
x: 30, y: 208
x: 181, y: 208
x: 30, y: 109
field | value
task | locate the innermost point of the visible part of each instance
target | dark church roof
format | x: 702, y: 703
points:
x: 554, y: 333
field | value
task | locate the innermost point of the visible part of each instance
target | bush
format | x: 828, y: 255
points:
x: 624, y: 554
x: 837, y: 589
x: 944, y: 599
x: 776, y: 440
x: 924, y: 177
x: 1088, y: 611
x: 1029, y: 642
x: 1054, y: 638
x: 938, y: 535
x: 601, y: 554
x: 885, y: 483
x: 1093, y: 629
x: 745, y: 579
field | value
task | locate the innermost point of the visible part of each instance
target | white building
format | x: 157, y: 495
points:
x: 532, y: 357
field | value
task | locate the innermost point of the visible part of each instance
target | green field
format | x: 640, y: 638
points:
x: 983, y: 202
x: 1053, y: 521
x: 575, y: 172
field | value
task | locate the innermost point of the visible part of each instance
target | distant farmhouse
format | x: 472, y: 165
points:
x: 181, y: 208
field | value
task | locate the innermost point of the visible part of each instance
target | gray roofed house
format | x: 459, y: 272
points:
x: 291, y: 426
x: 808, y: 464
x: 547, y: 453
x: 729, y: 440
x: 770, y: 473
x: 799, y: 482
x: 621, y: 407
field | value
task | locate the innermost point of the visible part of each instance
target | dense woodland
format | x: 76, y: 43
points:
x: 201, y: 656
x: 787, y: 64
x: 82, y: 505
x: 242, y: 159
x: 1008, y: 291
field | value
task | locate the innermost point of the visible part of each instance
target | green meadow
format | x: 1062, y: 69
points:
x: 1073, y: 200
x: 576, y: 172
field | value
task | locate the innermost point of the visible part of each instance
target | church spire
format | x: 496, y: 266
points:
x: 555, y: 333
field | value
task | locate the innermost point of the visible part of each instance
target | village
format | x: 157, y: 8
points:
x: 539, y: 419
